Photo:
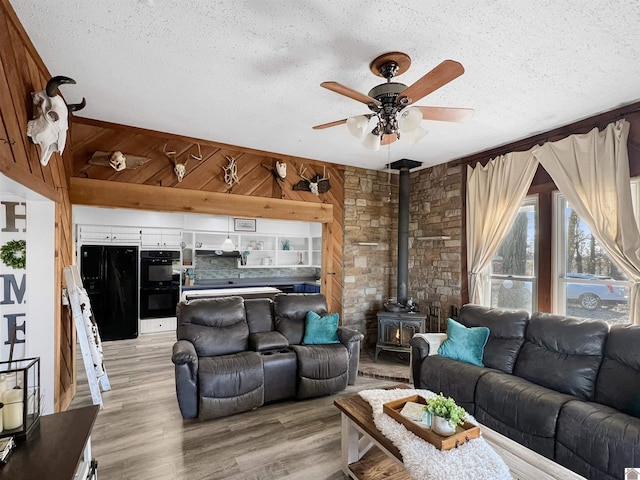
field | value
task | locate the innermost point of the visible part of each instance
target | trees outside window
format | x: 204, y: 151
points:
x: 513, y: 274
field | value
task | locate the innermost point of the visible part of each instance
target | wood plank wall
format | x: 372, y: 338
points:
x: 22, y: 72
x: 255, y: 175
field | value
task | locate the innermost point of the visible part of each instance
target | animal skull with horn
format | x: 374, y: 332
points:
x: 317, y: 184
x: 48, y: 129
x: 181, y: 168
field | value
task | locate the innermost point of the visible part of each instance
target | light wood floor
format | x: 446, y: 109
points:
x: 140, y: 434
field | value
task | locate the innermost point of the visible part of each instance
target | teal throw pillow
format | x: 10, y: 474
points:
x: 321, y: 330
x: 464, y: 344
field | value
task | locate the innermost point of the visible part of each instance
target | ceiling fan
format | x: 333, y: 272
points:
x: 391, y: 102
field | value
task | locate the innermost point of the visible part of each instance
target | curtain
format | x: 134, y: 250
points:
x: 592, y: 172
x: 494, y: 195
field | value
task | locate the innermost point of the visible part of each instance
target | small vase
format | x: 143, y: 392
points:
x: 442, y: 426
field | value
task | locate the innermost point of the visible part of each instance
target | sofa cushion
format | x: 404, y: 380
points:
x: 563, y: 353
x: 320, y: 330
x: 259, y: 314
x: 215, y: 326
x: 452, y: 378
x: 229, y: 384
x: 322, y: 369
x: 522, y: 410
x: 506, y: 333
x: 290, y: 311
x: 618, y: 383
x: 463, y: 343
x: 597, y: 441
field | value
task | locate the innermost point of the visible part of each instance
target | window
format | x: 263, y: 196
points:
x: 513, y: 269
x: 589, y: 284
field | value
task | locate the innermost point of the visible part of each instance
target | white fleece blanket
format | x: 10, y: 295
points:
x: 474, y: 460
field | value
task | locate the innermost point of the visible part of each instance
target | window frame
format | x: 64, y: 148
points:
x: 529, y: 200
x: 559, y: 253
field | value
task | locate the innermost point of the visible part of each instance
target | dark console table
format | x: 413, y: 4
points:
x: 56, y: 449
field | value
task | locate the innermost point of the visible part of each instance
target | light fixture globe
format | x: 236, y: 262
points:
x: 372, y: 141
x: 409, y: 119
x: 227, y: 245
x: 414, y: 136
x: 358, y: 125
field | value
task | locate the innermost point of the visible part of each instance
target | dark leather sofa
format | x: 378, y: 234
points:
x: 564, y: 387
x: 234, y: 354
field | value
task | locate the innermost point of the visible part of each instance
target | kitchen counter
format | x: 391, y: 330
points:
x: 250, y: 282
x: 244, y: 292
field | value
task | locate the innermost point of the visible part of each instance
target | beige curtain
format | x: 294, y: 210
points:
x: 494, y: 195
x: 592, y: 171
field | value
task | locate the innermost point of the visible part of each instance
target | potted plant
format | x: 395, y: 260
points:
x: 445, y: 414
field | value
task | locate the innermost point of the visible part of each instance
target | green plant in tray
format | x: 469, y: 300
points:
x: 447, y: 408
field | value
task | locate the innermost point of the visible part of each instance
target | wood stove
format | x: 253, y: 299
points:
x: 395, y: 330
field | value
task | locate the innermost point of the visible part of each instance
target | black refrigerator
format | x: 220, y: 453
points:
x: 110, y: 277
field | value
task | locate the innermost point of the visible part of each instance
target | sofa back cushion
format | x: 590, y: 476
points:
x: 259, y: 314
x: 563, y: 353
x: 215, y: 326
x: 618, y: 382
x: 506, y: 333
x: 290, y: 312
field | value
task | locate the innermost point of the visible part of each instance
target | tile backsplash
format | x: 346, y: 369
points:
x: 214, y: 268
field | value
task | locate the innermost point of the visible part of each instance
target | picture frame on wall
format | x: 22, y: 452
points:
x: 244, y: 224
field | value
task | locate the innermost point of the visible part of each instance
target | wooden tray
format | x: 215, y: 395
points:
x: 463, y: 434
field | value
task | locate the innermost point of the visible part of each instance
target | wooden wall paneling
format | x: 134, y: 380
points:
x: 22, y: 72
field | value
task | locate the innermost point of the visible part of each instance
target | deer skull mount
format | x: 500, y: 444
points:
x: 48, y: 129
x: 180, y: 168
x: 317, y: 184
x: 118, y: 161
x: 281, y: 170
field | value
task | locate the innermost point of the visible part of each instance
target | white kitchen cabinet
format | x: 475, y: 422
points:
x: 272, y: 251
x: 161, y: 237
x: 100, y: 234
x: 316, y: 251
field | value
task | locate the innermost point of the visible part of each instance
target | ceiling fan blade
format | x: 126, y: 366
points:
x: 388, y: 138
x: 433, y: 80
x: 349, y: 92
x: 445, y: 114
x: 330, y: 124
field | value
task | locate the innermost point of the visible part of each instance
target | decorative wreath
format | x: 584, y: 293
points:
x: 14, y: 254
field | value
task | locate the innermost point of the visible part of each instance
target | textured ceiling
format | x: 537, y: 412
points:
x: 248, y: 73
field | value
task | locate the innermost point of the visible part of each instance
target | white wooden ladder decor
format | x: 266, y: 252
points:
x: 88, y: 334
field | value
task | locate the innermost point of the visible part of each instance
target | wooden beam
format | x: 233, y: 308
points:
x: 103, y: 193
x: 9, y: 168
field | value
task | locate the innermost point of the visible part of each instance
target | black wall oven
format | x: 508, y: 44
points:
x: 159, y: 283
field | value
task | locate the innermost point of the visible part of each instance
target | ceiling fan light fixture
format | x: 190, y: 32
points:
x: 414, y: 136
x: 409, y: 119
x: 358, y: 125
x: 372, y: 141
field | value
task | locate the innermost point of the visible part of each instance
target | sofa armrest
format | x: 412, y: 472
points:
x: 185, y: 359
x: 261, y: 341
x: 423, y: 345
x: 349, y: 335
x: 351, y: 339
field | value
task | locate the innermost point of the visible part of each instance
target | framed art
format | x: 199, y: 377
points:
x: 244, y: 224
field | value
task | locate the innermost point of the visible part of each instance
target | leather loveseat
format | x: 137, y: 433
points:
x: 234, y: 354
x: 564, y: 387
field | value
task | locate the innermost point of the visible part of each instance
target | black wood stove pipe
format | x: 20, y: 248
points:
x: 404, y: 166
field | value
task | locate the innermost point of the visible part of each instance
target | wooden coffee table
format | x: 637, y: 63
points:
x: 367, y: 454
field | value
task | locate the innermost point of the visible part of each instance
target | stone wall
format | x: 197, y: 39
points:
x: 370, y: 216
x: 435, y: 264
